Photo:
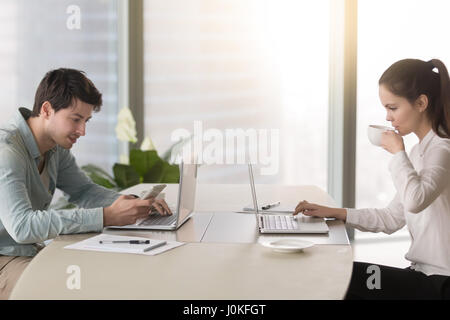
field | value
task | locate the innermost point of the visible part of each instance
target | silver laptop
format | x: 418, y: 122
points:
x: 285, y: 223
x: 183, y: 210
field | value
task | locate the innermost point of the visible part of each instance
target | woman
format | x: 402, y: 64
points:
x: 416, y: 95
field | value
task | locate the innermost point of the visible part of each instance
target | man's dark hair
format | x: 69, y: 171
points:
x: 62, y: 86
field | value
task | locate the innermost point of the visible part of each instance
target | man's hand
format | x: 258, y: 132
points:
x: 315, y: 210
x: 392, y: 142
x: 126, y: 210
x: 161, y: 206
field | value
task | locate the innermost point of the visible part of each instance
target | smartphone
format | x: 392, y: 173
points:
x: 156, y: 190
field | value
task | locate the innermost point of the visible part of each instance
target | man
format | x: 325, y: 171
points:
x: 35, y: 159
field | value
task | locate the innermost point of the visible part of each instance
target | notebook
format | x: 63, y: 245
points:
x: 284, y: 223
x: 181, y: 212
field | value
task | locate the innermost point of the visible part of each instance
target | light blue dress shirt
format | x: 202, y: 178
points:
x: 24, y: 200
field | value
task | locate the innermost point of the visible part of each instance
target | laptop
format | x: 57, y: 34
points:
x: 284, y: 223
x: 183, y: 210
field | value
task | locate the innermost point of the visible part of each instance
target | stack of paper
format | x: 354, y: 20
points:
x: 93, y: 244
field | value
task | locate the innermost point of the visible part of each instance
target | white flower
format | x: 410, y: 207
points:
x: 126, y: 126
x: 147, y: 144
x: 124, y: 159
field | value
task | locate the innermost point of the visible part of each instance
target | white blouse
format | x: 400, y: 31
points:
x: 422, y: 203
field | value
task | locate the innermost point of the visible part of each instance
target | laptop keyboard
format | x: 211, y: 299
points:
x: 279, y: 222
x: 157, y: 219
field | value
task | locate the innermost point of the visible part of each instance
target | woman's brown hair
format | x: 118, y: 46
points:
x: 411, y: 78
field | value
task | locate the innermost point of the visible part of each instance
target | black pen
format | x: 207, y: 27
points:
x: 127, y: 241
x: 267, y: 207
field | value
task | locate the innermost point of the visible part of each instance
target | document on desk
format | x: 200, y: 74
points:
x: 152, y: 248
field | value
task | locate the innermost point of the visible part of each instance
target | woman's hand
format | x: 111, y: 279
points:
x: 315, y: 210
x: 392, y: 142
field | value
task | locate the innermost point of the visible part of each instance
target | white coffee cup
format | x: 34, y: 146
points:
x: 375, y: 133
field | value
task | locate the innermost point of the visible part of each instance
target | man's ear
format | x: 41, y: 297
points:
x: 46, y: 110
x: 422, y: 102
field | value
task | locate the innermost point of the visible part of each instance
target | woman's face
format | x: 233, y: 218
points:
x: 404, y: 116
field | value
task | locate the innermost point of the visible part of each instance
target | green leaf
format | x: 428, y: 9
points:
x: 171, y: 173
x: 126, y: 176
x: 155, y: 174
x: 143, y: 161
x: 99, y: 176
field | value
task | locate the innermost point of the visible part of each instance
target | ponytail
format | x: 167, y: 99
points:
x: 443, y: 101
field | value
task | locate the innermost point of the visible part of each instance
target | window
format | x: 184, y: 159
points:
x: 248, y: 64
x: 38, y: 36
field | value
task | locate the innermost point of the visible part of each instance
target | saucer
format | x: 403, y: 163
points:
x: 287, y: 244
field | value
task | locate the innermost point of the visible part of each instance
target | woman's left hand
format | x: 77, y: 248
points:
x: 392, y: 142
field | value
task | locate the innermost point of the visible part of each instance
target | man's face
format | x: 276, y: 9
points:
x: 67, y: 125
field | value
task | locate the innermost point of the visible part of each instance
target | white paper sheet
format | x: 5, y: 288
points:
x: 93, y: 244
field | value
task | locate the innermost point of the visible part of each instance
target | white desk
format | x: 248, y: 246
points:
x: 221, y: 260
x: 217, y: 205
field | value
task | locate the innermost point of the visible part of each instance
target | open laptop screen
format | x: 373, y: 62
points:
x: 188, y: 184
x: 252, y: 185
